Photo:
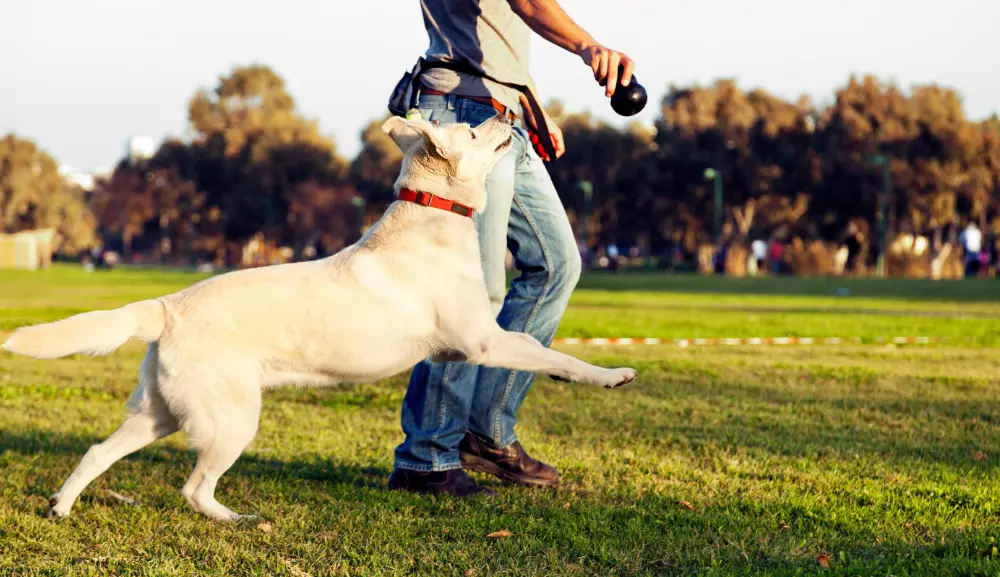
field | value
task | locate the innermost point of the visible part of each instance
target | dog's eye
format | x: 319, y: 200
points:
x: 473, y: 133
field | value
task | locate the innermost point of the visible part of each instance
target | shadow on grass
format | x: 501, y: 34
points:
x: 250, y: 465
x: 613, y: 532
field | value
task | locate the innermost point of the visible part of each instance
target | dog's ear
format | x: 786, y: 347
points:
x: 405, y: 132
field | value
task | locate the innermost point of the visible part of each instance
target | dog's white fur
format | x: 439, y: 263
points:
x: 412, y: 287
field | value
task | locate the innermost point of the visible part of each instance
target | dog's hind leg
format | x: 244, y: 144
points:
x: 215, y: 457
x: 522, y: 352
x: 148, y: 421
x: 220, y: 431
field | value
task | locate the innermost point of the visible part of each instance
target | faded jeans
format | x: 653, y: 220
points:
x: 523, y: 213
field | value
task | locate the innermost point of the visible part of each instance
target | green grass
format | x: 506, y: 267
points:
x: 719, y: 461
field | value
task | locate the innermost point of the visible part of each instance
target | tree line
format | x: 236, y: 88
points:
x: 877, y: 161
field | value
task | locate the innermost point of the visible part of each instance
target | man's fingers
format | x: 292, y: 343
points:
x: 603, y: 70
x: 557, y: 140
x: 612, y: 69
x: 614, y: 59
x: 627, y: 74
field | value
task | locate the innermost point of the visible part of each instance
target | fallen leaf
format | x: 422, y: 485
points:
x: 265, y: 527
x: 90, y: 559
x: 823, y: 561
x: 980, y: 456
x: 500, y: 533
x: 122, y: 498
x: 687, y: 505
x: 470, y: 573
x: 295, y: 569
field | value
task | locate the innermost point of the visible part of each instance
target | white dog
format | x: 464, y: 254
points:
x: 412, y: 287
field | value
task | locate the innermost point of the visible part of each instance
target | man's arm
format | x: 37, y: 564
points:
x: 547, y: 19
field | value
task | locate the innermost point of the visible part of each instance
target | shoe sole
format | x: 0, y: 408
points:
x: 480, y: 465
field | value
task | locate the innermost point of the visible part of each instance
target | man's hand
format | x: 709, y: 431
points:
x: 547, y: 19
x: 555, y: 133
x: 605, y: 63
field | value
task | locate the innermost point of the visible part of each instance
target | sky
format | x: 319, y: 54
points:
x: 82, y: 77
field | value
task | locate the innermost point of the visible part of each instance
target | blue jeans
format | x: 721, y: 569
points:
x: 523, y: 213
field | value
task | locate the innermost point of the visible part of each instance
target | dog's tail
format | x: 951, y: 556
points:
x: 93, y: 333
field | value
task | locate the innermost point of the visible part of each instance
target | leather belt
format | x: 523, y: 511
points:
x: 506, y: 111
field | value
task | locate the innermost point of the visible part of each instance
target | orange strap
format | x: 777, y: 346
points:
x: 428, y: 199
x: 536, y: 143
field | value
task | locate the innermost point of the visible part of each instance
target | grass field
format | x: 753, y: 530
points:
x: 847, y: 459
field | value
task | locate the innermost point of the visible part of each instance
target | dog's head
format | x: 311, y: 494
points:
x: 450, y: 160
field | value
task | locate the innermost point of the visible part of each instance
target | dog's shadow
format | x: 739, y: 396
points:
x: 180, y: 461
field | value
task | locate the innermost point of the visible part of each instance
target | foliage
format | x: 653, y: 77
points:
x: 255, y: 165
x: 790, y: 169
x: 33, y: 195
x: 375, y: 168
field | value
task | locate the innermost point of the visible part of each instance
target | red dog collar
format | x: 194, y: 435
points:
x: 428, y: 199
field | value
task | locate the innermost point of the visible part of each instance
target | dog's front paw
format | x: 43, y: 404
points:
x: 55, y: 510
x: 619, y: 378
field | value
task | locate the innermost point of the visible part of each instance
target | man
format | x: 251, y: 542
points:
x: 853, y: 242
x: 759, y: 249
x: 456, y: 414
x: 972, y: 241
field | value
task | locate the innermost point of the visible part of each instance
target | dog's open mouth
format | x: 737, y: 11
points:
x: 505, y: 143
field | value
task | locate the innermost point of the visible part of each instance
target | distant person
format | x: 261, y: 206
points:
x: 759, y: 249
x: 676, y: 254
x: 971, y: 240
x: 852, y: 242
x: 994, y: 249
x: 777, y: 251
x: 585, y: 255
x: 111, y: 259
x: 613, y: 256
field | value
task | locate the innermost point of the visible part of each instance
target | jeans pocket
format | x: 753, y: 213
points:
x: 475, y: 113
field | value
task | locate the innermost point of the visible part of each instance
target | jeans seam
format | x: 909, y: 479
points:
x: 435, y: 462
x: 534, y: 310
x: 509, y: 441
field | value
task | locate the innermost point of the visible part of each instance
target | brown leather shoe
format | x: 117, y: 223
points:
x: 453, y: 482
x: 510, y: 463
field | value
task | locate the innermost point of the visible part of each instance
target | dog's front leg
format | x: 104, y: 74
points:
x: 522, y: 352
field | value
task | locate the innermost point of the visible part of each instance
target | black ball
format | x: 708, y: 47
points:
x: 629, y: 100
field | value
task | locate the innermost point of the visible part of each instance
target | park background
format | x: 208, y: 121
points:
x: 803, y: 416
x: 235, y: 133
